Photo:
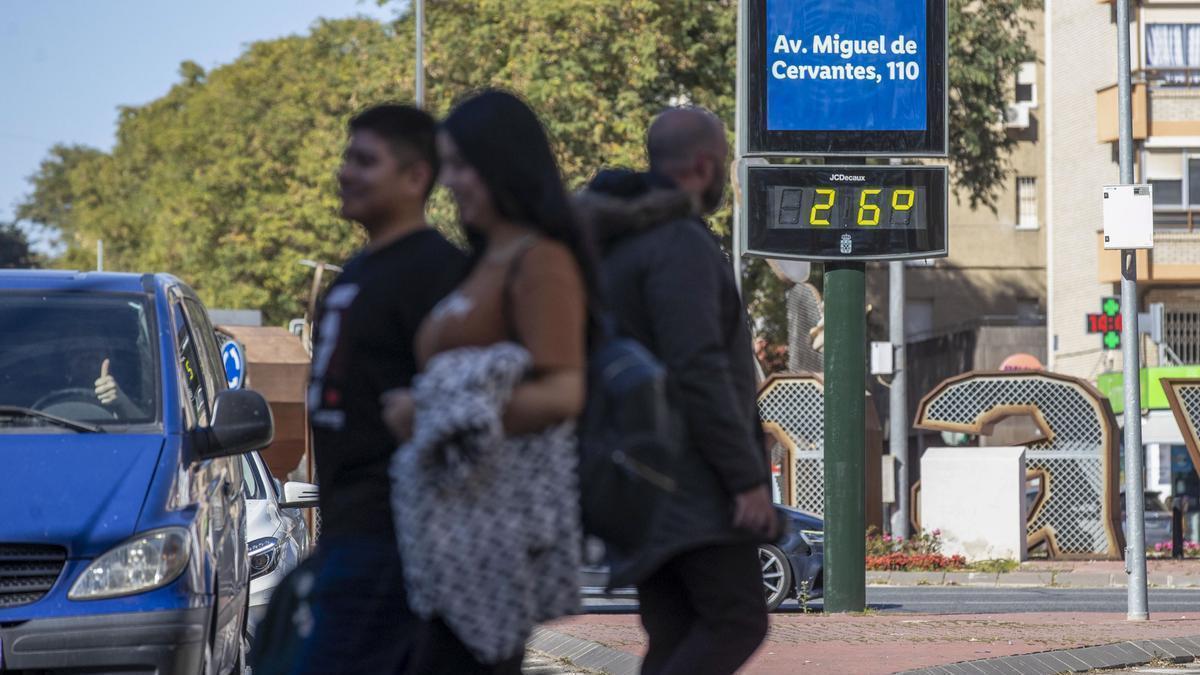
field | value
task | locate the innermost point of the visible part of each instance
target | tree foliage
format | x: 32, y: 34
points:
x: 14, y: 248
x: 988, y: 44
x: 228, y: 179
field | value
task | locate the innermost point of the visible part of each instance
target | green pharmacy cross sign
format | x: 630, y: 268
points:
x: 1107, y: 323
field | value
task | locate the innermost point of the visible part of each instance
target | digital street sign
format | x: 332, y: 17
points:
x: 854, y: 77
x: 1107, y: 323
x: 846, y: 212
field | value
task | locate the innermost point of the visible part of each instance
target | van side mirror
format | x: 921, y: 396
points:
x: 241, y: 422
x: 298, y: 495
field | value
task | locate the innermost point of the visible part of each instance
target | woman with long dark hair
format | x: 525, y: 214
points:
x: 498, y: 496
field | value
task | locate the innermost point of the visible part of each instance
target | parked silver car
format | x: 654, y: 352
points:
x: 276, y: 534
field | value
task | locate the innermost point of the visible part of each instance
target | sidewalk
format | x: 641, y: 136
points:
x: 895, y: 642
x: 1069, y: 574
x: 888, y: 643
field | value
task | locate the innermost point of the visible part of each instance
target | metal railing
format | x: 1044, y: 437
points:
x: 1181, y: 332
x: 1174, y: 77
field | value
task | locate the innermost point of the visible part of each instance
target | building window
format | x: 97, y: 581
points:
x: 1173, y: 53
x: 1027, y: 203
x: 1026, y: 91
x: 1174, y: 176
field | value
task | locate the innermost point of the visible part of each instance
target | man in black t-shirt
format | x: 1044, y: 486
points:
x: 363, y: 347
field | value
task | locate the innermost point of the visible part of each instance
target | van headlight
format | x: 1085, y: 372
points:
x: 264, y: 556
x: 148, y: 561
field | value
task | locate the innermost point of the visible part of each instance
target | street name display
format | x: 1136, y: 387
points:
x: 848, y: 78
x: 824, y: 212
x: 855, y: 77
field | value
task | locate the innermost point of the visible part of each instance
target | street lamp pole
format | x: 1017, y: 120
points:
x: 420, y: 75
x: 1135, y: 482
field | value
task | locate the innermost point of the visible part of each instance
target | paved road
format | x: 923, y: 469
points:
x: 956, y: 600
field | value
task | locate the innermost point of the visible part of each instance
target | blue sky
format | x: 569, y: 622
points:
x: 66, y: 65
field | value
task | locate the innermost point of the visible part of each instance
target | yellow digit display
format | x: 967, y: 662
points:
x: 910, y: 196
x: 868, y: 214
x: 826, y: 207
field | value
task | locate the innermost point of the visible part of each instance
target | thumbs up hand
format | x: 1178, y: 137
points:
x: 106, y: 386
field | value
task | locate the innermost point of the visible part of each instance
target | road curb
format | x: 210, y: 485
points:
x: 1079, y: 660
x: 585, y: 653
x: 1028, y: 579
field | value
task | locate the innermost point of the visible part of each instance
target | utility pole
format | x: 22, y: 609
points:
x: 1135, y: 482
x: 99, y: 255
x: 420, y: 75
x: 898, y: 395
x: 740, y: 145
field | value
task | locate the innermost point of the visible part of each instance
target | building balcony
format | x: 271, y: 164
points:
x: 1166, y: 102
x: 1174, y: 259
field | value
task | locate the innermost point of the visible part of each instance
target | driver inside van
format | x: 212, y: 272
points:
x: 108, y: 392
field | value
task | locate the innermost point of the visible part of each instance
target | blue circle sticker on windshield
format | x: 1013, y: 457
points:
x: 235, y: 364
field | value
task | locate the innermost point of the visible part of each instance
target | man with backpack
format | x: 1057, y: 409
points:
x: 672, y: 289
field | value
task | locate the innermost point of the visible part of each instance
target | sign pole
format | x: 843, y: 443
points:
x: 898, y: 397
x: 845, y: 436
x: 1135, y: 482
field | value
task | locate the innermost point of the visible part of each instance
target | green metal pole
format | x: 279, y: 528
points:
x: 845, y: 437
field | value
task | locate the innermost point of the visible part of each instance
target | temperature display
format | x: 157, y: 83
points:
x: 836, y: 207
x: 822, y: 212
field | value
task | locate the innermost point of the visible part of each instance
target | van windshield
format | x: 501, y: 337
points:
x: 85, y: 358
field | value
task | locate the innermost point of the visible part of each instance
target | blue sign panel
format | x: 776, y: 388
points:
x: 846, y: 65
x: 845, y: 77
x: 235, y: 364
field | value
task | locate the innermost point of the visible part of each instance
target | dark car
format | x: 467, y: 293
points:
x: 123, y: 548
x: 791, y: 566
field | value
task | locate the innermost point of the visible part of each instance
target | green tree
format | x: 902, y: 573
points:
x: 228, y: 179
x: 14, y: 248
x: 989, y: 40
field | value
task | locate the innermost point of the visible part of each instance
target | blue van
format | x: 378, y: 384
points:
x: 122, y: 534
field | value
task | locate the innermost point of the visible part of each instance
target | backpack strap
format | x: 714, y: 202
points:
x: 510, y: 276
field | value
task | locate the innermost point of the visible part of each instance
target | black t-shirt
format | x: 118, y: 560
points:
x: 362, y: 347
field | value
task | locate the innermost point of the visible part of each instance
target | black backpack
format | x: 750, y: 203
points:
x: 627, y: 450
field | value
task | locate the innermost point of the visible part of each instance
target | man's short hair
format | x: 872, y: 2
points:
x: 677, y: 134
x: 411, y: 132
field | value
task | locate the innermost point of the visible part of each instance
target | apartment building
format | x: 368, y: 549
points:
x: 986, y: 300
x: 1081, y: 156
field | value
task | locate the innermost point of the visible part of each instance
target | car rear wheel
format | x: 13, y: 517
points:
x: 777, y: 575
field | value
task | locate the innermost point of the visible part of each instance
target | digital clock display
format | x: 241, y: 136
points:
x: 822, y: 212
x: 836, y: 208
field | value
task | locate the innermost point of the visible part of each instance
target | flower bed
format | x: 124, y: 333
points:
x: 920, y: 553
x: 1163, y: 549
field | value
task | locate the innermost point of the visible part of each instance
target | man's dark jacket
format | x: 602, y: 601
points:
x: 672, y: 289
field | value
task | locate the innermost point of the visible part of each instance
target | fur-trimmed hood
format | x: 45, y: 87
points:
x: 620, y: 202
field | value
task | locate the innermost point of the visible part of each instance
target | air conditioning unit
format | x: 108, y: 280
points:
x: 1016, y: 116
